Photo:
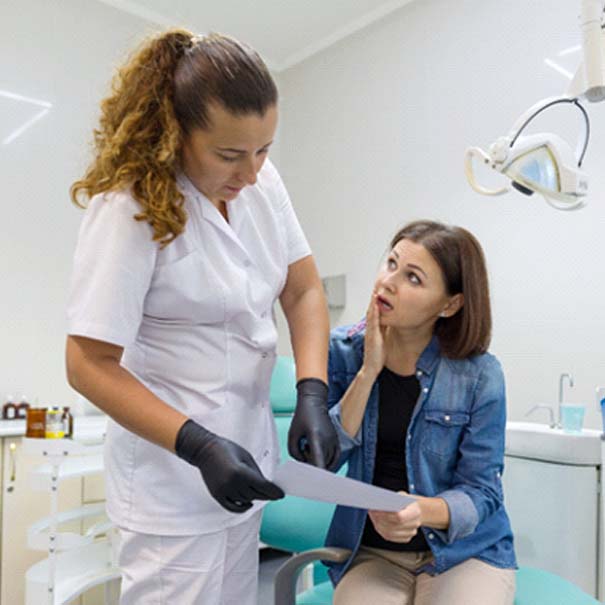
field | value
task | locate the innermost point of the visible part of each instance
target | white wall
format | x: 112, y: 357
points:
x: 381, y: 122
x: 63, y: 52
x: 373, y: 135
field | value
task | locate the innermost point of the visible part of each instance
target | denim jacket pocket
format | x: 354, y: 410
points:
x: 442, y: 430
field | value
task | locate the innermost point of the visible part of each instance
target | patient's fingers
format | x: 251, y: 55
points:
x: 392, y: 531
x: 409, y: 516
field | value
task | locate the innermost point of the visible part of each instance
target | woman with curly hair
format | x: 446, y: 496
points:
x: 188, y: 240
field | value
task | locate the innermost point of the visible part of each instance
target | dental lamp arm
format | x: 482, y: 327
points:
x: 589, y: 80
x: 538, y: 108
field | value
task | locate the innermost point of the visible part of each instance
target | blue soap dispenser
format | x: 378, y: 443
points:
x: 601, y: 404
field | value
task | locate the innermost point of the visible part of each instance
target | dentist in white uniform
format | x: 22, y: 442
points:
x: 188, y: 239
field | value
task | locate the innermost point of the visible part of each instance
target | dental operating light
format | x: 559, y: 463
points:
x: 544, y: 163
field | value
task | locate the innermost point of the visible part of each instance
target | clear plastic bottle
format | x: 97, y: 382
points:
x: 54, y: 423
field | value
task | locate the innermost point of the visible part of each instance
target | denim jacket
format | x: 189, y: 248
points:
x: 454, y: 450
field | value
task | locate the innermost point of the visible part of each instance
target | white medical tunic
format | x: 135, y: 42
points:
x: 197, y: 326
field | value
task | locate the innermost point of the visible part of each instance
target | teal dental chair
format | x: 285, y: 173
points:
x: 299, y: 526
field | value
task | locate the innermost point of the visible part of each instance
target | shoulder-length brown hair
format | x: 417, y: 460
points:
x: 161, y: 94
x: 462, y: 263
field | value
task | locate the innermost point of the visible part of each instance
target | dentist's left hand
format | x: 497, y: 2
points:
x: 312, y: 437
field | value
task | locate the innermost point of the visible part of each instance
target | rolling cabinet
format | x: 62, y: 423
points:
x: 21, y: 506
x: 77, y: 541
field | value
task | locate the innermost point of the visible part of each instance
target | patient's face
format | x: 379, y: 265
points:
x: 410, y: 287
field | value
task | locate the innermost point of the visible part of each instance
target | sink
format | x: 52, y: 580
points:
x: 540, y: 442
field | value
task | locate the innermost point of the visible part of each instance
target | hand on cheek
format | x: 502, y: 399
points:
x: 399, y: 527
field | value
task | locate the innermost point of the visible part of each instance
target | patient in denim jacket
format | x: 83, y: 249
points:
x: 419, y: 406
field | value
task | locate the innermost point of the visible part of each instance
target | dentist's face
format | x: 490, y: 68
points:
x: 223, y: 159
x: 411, y: 289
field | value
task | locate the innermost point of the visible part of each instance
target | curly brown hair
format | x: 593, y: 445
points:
x: 159, y: 96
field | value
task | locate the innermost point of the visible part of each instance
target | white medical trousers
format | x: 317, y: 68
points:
x: 219, y: 568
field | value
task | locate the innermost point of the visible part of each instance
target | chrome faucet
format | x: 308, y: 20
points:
x: 551, y: 415
x: 561, y: 380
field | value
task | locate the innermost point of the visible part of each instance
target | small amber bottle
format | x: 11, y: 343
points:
x: 9, y: 409
x: 35, y: 426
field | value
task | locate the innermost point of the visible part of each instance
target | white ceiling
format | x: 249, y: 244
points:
x: 284, y: 32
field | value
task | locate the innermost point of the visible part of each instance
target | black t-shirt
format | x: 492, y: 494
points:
x: 397, y: 398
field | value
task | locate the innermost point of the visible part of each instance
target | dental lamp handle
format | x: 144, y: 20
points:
x: 470, y: 175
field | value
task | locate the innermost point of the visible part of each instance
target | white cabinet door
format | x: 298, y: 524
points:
x: 553, y: 511
x: 21, y: 506
x: 93, y: 489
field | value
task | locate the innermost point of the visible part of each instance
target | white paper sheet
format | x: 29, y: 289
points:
x: 306, y: 481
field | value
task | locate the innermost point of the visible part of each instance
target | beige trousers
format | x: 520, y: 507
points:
x: 387, y: 577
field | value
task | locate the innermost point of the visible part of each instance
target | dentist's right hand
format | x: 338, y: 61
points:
x: 374, y: 353
x: 228, y: 470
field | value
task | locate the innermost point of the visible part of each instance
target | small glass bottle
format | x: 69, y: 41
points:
x: 35, y: 426
x: 22, y: 408
x: 54, y: 423
x: 68, y: 423
x: 9, y: 409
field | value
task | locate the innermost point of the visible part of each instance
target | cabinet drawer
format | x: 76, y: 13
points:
x: 93, y: 489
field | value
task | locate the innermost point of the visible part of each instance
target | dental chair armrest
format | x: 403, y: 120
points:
x: 287, y: 575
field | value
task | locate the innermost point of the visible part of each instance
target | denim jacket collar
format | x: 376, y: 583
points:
x: 430, y: 356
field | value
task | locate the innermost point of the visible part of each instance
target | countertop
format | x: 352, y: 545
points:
x: 83, y: 426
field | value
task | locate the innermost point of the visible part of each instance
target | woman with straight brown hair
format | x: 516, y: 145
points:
x: 188, y: 240
x: 419, y: 406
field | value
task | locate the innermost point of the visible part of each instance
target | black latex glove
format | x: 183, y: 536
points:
x: 229, y: 471
x: 312, y: 437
